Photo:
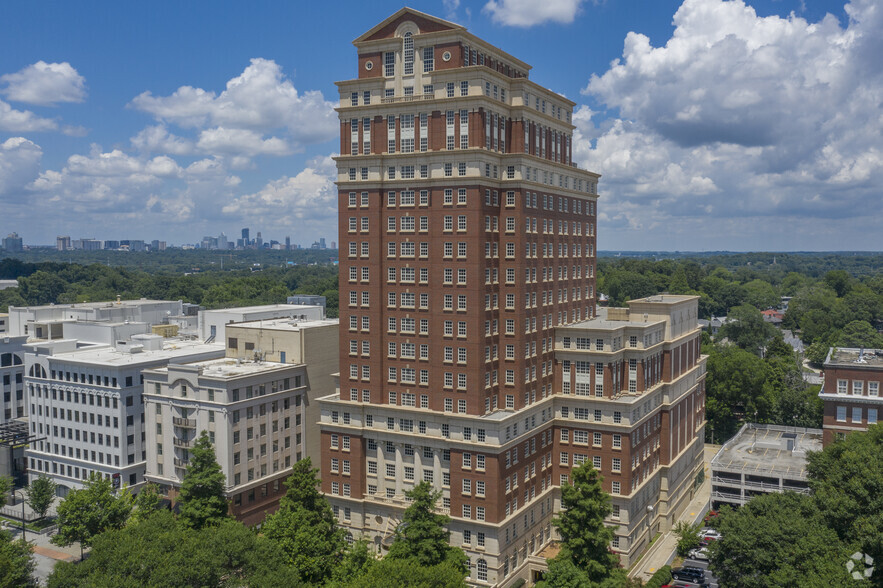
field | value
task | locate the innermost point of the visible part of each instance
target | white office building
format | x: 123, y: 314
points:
x: 86, y: 401
x: 212, y: 322
x: 46, y: 322
x: 12, y: 371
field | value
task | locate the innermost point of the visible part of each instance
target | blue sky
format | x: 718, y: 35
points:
x: 715, y: 124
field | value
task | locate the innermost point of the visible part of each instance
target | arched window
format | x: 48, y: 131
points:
x: 408, y: 54
x: 16, y: 359
x: 481, y: 566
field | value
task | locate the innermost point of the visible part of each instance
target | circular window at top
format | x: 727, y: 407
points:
x: 446, y: 56
x: 369, y: 65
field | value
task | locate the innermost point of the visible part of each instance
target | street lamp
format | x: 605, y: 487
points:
x: 23, y: 535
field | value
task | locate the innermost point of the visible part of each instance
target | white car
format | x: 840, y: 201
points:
x: 700, y: 553
x: 710, y: 535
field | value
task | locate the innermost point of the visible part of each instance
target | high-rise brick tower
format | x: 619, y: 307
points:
x: 467, y: 235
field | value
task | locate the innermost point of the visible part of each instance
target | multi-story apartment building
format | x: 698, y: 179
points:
x: 851, y: 391
x: 467, y: 235
x: 253, y: 413
x: 12, y: 369
x: 311, y: 343
x: 630, y: 398
x: 85, y: 401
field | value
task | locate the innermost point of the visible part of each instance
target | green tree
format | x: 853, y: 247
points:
x: 840, y: 281
x: 422, y: 535
x: 846, y: 478
x: 202, y: 501
x: 734, y: 387
x: 859, y: 334
x: 747, y: 329
x: 357, y: 560
x: 761, y: 294
x: 305, y: 528
x: 147, y: 502
x: 779, y: 540
x: 405, y: 573
x: 585, y: 539
x: 817, y: 353
x: 16, y: 562
x: 86, y: 513
x: 41, y: 493
x: 688, y: 537
x: 5, y: 489
x: 161, y: 551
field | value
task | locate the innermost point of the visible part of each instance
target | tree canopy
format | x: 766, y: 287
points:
x: 160, y: 551
x: 778, y: 540
x: 16, y: 562
x: 585, y: 558
x: 422, y: 535
x: 202, y: 501
x: 41, y: 493
x: 305, y: 528
x: 87, y: 512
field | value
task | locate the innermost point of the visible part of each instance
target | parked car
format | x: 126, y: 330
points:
x: 709, y: 534
x: 689, y: 574
x: 700, y: 553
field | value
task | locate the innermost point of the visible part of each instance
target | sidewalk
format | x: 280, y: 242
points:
x: 662, y: 552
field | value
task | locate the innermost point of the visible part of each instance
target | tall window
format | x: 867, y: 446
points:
x: 389, y: 64
x: 428, y: 59
x: 408, y: 54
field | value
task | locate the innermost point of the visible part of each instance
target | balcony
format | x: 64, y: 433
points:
x: 181, y: 463
x: 186, y: 443
x: 414, y: 98
x: 185, y: 423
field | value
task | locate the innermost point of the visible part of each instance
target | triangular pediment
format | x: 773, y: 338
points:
x: 425, y: 23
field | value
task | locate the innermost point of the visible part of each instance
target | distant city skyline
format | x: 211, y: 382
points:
x: 716, y: 125
x: 70, y: 242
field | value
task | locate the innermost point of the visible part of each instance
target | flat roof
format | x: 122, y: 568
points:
x: 284, y: 324
x: 665, y: 298
x: 262, y: 308
x: 227, y: 367
x: 854, y: 357
x: 107, y: 304
x: 762, y: 450
x: 107, y: 355
x: 601, y: 323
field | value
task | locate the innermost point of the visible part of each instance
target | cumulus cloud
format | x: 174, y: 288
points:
x: 527, y: 13
x: 259, y: 101
x: 742, y: 122
x: 309, y: 194
x: 45, y: 84
x: 158, y: 139
x: 23, y: 121
x: 19, y: 165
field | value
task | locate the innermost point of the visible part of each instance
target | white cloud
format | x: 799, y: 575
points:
x: 23, y: 121
x: 741, y: 127
x: 19, y: 165
x: 157, y: 139
x: 261, y: 100
x: 228, y: 141
x: 309, y: 196
x: 527, y: 13
x: 45, y: 84
x: 110, y: 185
